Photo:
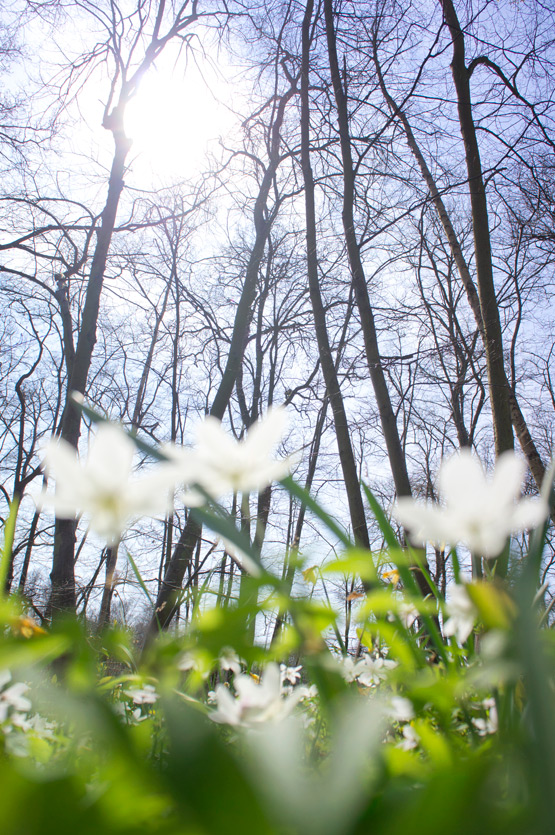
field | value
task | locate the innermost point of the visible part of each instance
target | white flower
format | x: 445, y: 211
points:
x: 196, y: 661
x: 221, y: 465
x: 349, y: 668
x: 462, y: 614
x: 491, y: 724
x: 146, y: 695
x: 19, y: 720
x: 479, y: 512
x: 102, y: 487
x: 136, y: 716
x: 256, y: 702
x: 367, y: 671
x: 229, y: 660
x: 12, y: 697
x: 410, y: 738
x: 400, y: 709
x: 304, y: 692
x: 290, y: 674
x: 370, y: 671
x: 408, y: 614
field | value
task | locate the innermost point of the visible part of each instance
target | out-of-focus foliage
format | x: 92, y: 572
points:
x: 202, y: 732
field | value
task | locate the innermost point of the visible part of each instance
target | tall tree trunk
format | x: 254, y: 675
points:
x: 390, y: 431
x: 62, y: 575
x: 395, y: 451
x: 289, y: 572
x: 499, y: 392
x: 109, y: 585
x: 62, y: 597
x: 537, y: 467
x: 346, y: 455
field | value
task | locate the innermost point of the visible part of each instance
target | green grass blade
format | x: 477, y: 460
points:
x: 300, y: 493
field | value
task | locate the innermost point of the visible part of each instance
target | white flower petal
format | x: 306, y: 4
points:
x: 265, y: 435
x: 462, y: 479
x: 110, y: 457
x: 507, y: 478
x: 479, y: 512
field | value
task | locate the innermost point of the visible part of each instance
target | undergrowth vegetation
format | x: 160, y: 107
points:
x: 441, y: 722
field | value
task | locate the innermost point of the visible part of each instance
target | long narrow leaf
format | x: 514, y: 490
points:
x: 382, y: 520
x: 300, y: 493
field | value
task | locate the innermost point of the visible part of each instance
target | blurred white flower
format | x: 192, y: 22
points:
x: 137, y: 716
x: 12, y: 697
x: 102, y: 487
x: 490, y: 725
x: 304, y: 692
x: 256, y: 702
x: 410, y: 738
x: 197, y: 661
x: 409, y: 614
x: 146, y: 695
x: 479, y: 512
x: 229, y: 660
x: 462, y: 614
x: 367, y: 671
x: 374, y: 670
x: 220, y: 464
x: 290, y: 674
x: 400, y: 709
x: 19, y: 720
x: 349, y: 668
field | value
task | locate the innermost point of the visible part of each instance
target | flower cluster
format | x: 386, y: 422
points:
x: 105, y: 488
x: 368, y: 671
x: 18, y: 726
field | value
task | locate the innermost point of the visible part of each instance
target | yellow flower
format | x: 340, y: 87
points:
x: 26, y: 627
x: 392, y: 576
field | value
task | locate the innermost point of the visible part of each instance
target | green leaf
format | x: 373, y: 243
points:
x: 304, y: 496
x: 382, y: 520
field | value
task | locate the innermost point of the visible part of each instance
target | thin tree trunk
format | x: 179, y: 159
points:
x: 182, y: 555
x: 499, y: 392
x: 395, y: 451
x: 346, y: 455
x: 390, y: 431
x: 62, y: 597
x: 289, y: 574
x: 109, y: 585
x: 62, y: 575
x: 537, y: 467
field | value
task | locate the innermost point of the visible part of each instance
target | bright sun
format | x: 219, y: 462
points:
x: 174, y: 119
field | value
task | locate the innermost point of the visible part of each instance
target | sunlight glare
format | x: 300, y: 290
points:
x: 174, y: 120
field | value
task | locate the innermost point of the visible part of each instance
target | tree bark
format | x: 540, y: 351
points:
x: 390, y: 431
x: 346, y: 455
x: 62, y: 576
x: 497, y: 379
